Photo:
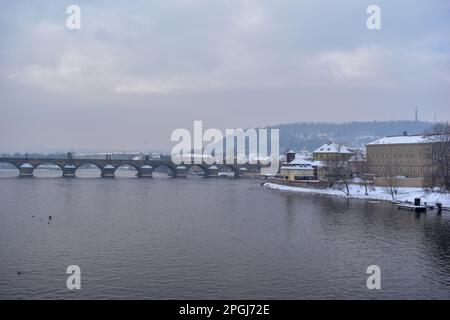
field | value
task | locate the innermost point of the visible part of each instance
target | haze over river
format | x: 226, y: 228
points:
x: 210, y: 238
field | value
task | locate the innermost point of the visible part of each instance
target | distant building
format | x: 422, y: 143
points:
x: 332, y: 152
x: 297, y: 168
x: 407, y: 157
x: 112, y: 155
x: 155, y: 156
x: 357, y: 162
x: 126, y: 156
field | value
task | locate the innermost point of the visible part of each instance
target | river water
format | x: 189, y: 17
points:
x: 210, y: 238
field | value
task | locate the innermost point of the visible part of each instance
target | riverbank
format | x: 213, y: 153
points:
x: 375, y: 193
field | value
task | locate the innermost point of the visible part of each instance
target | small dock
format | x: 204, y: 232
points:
x: 411, y: 207
x: 417, y: 206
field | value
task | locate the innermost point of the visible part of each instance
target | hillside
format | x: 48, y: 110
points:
x: 310, y: 135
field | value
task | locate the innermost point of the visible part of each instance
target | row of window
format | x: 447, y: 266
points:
x: 390, y: 155
x: 331, y: 156
x: 399, y: 150
x: 401, y: 161
x: 303, y: 178
x: 404, y: 170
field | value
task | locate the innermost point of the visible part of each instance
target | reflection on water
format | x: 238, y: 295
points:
x: 47, y: 173
x: 210, y: 238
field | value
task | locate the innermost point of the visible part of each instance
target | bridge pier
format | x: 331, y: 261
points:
x: 180, y: 172
x: 108, y: 171
x: 69, y: 171
x: 146, y: 171
x: 213, y: 172
x: 240, y: 173
x: 26, y: 170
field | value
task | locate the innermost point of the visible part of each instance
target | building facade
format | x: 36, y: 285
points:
x: 332, y: 152
x: 297, y: 168
x: 407, y: 157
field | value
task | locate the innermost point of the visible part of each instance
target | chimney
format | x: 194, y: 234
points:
x: 290, y: 155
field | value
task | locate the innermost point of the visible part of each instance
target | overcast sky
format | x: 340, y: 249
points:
x: 137, y: 70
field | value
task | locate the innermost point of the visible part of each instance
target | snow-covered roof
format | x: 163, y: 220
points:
x: 298, y: 163
x: 297, y: 167
x: 26, y: 165
x: 317, y: 163
x: 332, y: 148
x: 300, y: 158
x: 401, y: 140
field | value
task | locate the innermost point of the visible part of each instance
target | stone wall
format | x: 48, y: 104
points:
x: 400, y: 182
x: 317, y: 184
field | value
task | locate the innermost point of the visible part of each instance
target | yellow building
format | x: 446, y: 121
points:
x: 332, y: 152
x: 298, y: 171
x: 406, y: 157
x: 298, y: 168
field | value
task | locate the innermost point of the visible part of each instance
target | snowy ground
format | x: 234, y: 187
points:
x: 375, y: 193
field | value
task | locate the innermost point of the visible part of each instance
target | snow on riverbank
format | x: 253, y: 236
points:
x: 375, y: 193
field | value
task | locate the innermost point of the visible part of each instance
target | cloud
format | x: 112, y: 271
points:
x: 144, y: 88
x: 267, y: 61
x: 185, y: 47
x: 359, y: 64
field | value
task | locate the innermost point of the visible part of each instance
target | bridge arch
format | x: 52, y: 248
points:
x: 8, y: 169
x: 88, y: 170
x: 163, y: 170
x: 227, y: 168
x: 128, y: 163
x: 12, y: 163
x: 47, y: 169
x: 197, y: 170
x: 50, y: 162
x: 126, y: 170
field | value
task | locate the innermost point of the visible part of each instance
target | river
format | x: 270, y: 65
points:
x: 220, y: 238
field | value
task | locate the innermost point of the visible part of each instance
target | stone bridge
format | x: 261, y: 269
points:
x: 108, y: 167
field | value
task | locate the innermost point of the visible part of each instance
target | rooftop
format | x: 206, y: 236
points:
x: 332, y: 148
x: 300, y: 162
x: 297, y: 167
x: 403, y: 139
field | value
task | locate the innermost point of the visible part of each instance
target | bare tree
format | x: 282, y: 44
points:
x: 364, y: 176
x: 431, y: 180
x: 392, y: 181
x: 360, y: 168
x: 440, y: 156
x: 339, y: 174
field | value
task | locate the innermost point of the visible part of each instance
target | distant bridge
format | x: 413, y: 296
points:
x: 144, y: 168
